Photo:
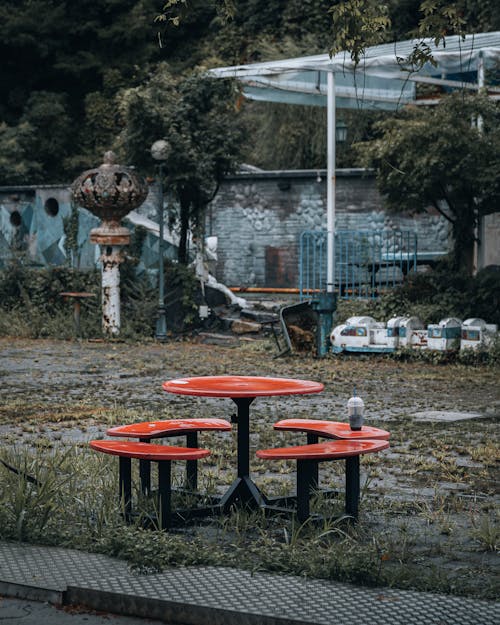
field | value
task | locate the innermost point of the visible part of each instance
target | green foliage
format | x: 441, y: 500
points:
x: 74, y: 504
x: 434, y: 296
x: 62, y: 59
x: 64, y: 113
x: 437, y: 159
x: 42, y: 287
x: 70, y: 227
x: 68, y: 491
x: 31, y: 305
x: 441, y: 293
x: 197, y: 117
x: 139, y: 305
x: 357, y: 25
x: 16, y: 163
x: 294, y: 137
x: 139, y: 300
x: 288, y: 126
x: 182, y: 297
x: 47, y: 114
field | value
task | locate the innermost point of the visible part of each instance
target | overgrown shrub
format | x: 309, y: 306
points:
x: 31, y: 305
x: 433, y: 296
x: 40, y: 288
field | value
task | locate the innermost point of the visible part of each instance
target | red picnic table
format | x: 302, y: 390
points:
x: 243, y: 390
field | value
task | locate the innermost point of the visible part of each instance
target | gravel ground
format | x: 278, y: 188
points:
x: 438, y: 481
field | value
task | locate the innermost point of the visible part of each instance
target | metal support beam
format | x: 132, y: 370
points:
x: 164, y: 494
x: 125, y: 484
x: 331, y: 185
x: 306, y: 471
x: 352, y: 486
x: 161, y: 322
x: 192, y: 465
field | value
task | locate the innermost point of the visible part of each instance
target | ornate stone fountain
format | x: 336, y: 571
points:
x: 110, y: 192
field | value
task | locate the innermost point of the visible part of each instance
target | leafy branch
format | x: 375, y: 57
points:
x: 357, y: 25
x: 173, y: 10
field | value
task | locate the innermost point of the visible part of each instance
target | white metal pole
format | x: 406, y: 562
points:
x: 331, y: 184
x: 480, y: 84
x: 478, y: 245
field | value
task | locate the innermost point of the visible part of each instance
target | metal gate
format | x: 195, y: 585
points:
x: 367, y: 262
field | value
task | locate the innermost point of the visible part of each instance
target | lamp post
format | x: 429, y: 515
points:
x: 340, y: 131
x: 159, y: 151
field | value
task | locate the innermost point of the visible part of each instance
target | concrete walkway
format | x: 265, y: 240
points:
x: 26, y: 612
x: 221, y: 596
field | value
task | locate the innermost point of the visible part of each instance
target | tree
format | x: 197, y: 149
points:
x: 438, y: 158
x: 352, y: 25
x: 198, y: 117
x: 54, y: 53
x: 358, y: 24
x: 16, y: 164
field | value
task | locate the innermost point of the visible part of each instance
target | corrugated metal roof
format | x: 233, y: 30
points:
x: 380, y: 80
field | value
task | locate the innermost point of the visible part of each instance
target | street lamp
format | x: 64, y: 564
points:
x: 340, y: 131
x: 159, y: 151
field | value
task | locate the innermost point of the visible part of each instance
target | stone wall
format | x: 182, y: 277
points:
x: 258, y: 218
x: 32, y: 224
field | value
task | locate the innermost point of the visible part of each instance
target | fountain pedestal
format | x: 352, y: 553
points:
x: 110, y: 192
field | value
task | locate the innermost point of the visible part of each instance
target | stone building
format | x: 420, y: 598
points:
x: 258, y: 218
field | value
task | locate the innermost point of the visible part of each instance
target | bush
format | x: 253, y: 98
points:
x: 31, y: 305
x: 40, y: 288
x: 435, y: 296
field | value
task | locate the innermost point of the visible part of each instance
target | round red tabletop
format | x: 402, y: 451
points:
x: 235, y: 386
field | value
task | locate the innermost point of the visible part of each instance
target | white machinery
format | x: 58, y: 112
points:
x: 444, y: 335
x: 476, y: 333
x: 364, y: 334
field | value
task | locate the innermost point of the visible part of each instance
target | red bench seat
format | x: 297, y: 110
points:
x: 308, y: 457
x: 163, y: 455
x: 147, y: 451
x: 169, y: 427
x: 147, y: 430
x: 331, y: 429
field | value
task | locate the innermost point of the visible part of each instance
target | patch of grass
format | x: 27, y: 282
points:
x: 415, y: 526
x: 73, y: 503
x: 486, y: 532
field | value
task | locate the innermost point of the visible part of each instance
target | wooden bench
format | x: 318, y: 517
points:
x: 163, y: 455
x: 147, y: 430
x: 77, y: 298
x: 308, y: 457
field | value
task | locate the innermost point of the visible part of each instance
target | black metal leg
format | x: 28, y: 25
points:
x: 305, y: 475
x: 192, y: 465
x: 312, y: 439
x: 145, y: 472
x: 243, y: 490
x: 125, y: 482
x: 352, y: 486
x: 243, y: 434
x: 164, y: 494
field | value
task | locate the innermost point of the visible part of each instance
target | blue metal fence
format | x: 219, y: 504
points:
x: 367, y: 262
